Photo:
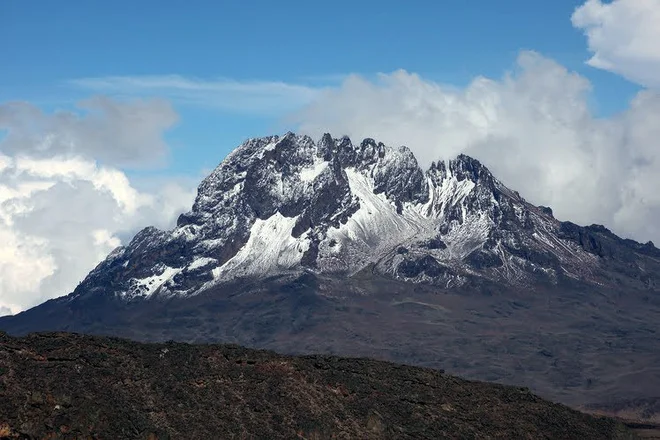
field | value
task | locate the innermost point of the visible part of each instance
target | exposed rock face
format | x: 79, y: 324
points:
x: 64, y: 386
x: 281, y: 204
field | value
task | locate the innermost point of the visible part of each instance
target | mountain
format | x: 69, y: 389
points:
x: 60, y: 386
x: 288, y: 204
x: 334, y: 247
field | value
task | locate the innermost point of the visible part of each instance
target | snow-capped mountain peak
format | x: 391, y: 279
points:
x: 281, y: 204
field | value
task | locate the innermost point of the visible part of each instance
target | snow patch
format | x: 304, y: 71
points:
x: 311, y: 173
x: 201, y: 262
x: 469, y: 236
x: 449, y: 193
x: 270, y: 247
x: 187, y: 232
x: 148, y: 286
x: 373, y: 229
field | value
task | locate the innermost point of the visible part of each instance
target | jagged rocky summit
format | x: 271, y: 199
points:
x: 289, y: 204
x: 353, y: 249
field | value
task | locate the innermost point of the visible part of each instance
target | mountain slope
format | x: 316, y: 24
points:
x: 110, y: 388
x: 334, y: 247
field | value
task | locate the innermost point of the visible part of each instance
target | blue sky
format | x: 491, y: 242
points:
x: 48, y: 44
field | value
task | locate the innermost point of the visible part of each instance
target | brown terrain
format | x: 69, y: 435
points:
x: 69, y: 386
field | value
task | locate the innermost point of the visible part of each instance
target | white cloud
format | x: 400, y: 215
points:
x: 114, y: 132
x: 623, y: 36
x: 266, y: 98
x: 533, y: 128
x: 61, y: 212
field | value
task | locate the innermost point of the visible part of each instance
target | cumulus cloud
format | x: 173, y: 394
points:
x: 263, y: 98
x: 623, y: 36
x: 61, y: 211
x: 533, y: 128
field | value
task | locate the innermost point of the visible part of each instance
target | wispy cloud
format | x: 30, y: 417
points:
x: 269, y: 98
